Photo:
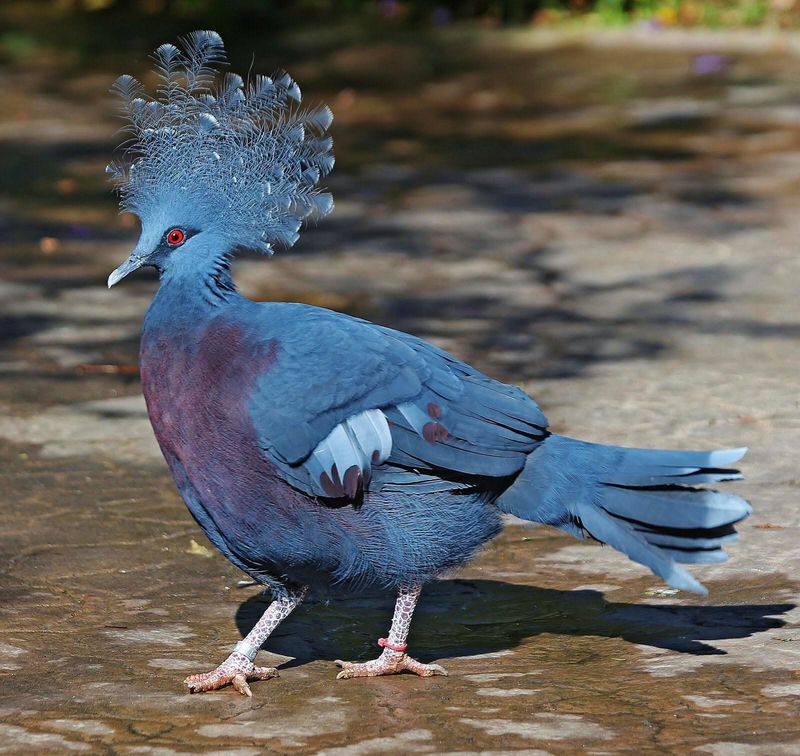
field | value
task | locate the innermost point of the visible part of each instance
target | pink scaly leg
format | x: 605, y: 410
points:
x: 238, y: 668
x: 392, y: 661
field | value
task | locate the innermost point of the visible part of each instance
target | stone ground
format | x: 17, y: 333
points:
x: 601, y: 224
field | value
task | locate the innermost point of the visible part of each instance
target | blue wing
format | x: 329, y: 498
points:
x: 349, y: 405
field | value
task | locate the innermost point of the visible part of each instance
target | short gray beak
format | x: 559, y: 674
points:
x: 134, y: 262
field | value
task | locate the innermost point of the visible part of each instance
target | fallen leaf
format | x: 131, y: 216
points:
x: 66, y: 186
x: 49, y: 245
x: 110, y: 369
x: 661, y: 591
x: 196, y: 548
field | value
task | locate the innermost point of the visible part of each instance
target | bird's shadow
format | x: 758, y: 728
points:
x: 471, y: 617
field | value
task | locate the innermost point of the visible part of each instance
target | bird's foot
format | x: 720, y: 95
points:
x: 236, y: 670
x: 388, y: 663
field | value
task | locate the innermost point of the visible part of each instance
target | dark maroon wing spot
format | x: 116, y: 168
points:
x: 336, y: 489
x: 376, y: 457
x: 352, y: 481
x: 434, y: 410
x: 433, y: 432
x: 329, y: 487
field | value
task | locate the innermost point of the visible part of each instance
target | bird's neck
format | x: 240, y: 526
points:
x: 207, y: 277
x: 190, y: 297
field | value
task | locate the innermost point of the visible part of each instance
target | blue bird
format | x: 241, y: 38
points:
x: 319, y: 450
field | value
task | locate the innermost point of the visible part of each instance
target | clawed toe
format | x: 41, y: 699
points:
x: 236, y: 670
x: 425, y: 670
x: 387, y: 666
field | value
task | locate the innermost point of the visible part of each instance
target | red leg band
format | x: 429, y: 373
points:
x: 384, y: 643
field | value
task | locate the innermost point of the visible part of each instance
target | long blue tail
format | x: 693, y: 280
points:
x: 640, y: 501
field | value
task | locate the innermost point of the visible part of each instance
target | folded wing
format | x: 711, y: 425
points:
x: 364, y: 408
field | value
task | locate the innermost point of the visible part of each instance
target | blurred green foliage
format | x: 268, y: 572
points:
x: 748, y: 13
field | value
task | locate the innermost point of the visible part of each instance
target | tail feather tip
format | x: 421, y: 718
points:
x: 685, y: 581
x: 722, y: 457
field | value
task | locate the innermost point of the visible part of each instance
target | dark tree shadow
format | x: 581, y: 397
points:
x: 468, y: 617
x: 529, y: 172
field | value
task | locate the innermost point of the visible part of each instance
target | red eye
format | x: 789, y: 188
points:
x: 175, y: 237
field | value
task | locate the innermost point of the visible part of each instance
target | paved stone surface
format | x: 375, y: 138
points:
x: 603, y: 227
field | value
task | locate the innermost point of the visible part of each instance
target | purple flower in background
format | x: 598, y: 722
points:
x: 78, y: 231
x: 706, y: 64
x: 389, y: 8
x: 441, y: 15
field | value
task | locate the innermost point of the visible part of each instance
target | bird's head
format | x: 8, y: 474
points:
x: 172, y: 242
x: 213, y: 165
